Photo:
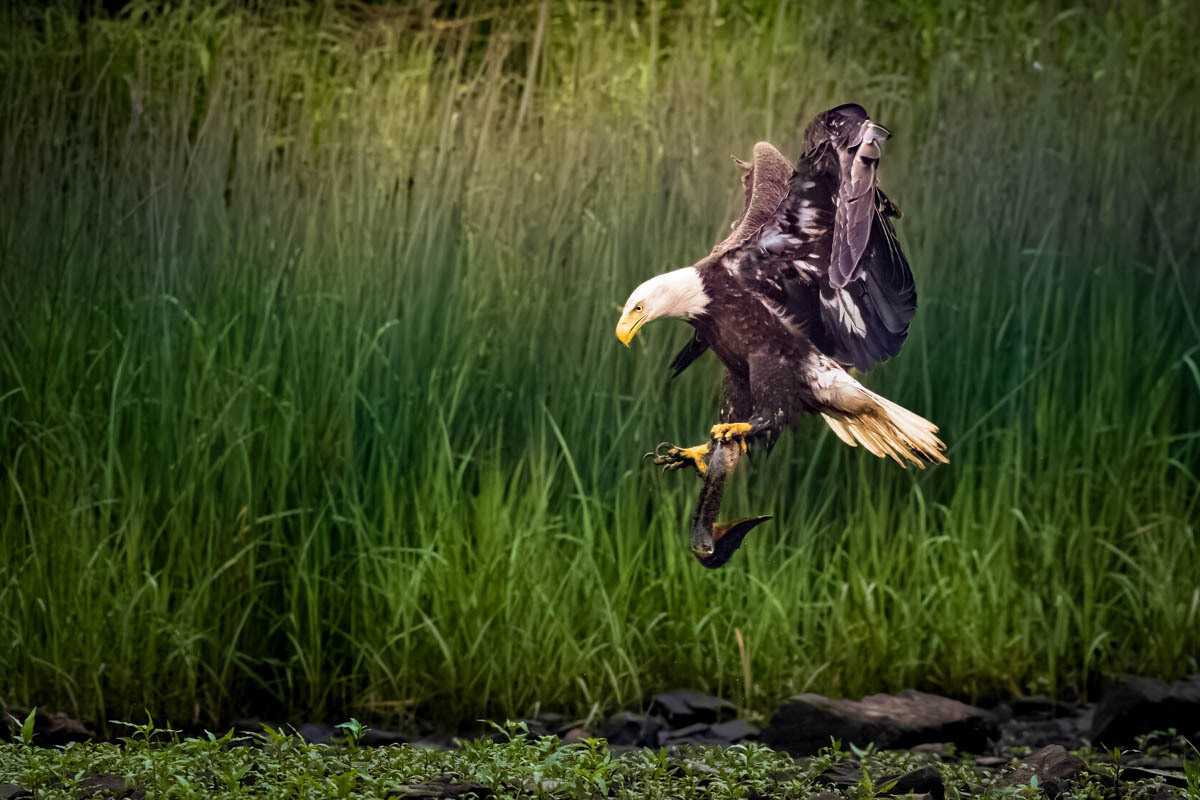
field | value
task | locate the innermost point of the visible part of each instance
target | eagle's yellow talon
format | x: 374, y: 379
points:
x: 727, y: 431
x: 680, y: 457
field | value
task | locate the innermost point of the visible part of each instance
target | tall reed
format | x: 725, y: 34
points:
x: 309, y: 398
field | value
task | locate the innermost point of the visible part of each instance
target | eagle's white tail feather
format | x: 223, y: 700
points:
x: 887, y: 429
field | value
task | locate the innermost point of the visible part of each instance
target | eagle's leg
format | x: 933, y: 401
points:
x: 740, y: 432
x: 675, y: 457
x: 728, y: 431
x: 760, y: 428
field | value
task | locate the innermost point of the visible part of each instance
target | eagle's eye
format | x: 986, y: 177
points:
x: 638, y: 307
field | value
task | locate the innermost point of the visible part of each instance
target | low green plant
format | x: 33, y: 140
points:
x: 1191, y: 769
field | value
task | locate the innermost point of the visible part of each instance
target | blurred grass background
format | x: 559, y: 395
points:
x: 310, y: 400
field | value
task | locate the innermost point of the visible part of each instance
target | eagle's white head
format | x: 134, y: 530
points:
x: 673, y: 294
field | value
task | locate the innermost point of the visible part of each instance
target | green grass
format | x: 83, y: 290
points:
x: 310, y: 400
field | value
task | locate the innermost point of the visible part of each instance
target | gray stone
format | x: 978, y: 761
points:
x: 95, y: 784
x: 576, y: 735
x: 807, y: 722
x: 626, y: 728
x: 1054, y: 767
x: 844, y: 774
x: 687, y: 707
x: 735, y: 730
x: 677, y: 736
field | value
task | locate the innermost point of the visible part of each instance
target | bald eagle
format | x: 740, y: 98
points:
x: 810, y: 283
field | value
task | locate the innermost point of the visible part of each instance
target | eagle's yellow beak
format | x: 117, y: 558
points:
x: 629, y: 325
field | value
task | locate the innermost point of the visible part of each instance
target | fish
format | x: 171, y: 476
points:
x: 712, y: 544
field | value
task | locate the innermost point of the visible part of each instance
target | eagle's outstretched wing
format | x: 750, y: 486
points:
x: 827, y: 259
x: 765, y: 180
x: 765, y: 183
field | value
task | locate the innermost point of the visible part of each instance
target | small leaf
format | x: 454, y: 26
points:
x: 27, y: 728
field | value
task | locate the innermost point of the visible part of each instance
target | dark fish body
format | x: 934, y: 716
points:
x: 713, y: 544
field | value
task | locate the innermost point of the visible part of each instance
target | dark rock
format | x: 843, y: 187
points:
x: 252, y: 725
x: 10, y: 791
x: 806, y: 723
x: 441, y: 787
x: 925, y: 781
x: 57, y: 728
x: 313, y: 733
x: 687, y: 707
x: 575, y: 735
x: 843, y: 774
x: 990, y: 761
x: 375, y: 738
x: 248, y: 725
x: 679, y: 735
x: 794, y: 772
x: 735, y: 730
x: 626, y: 728
x: 95, y: 784
x: 1041, y: 706
x: 50, y: 728
x: 1162, y: 792
x: 536, y: 727
x: 1140, y: 705
x: 1038, y: 731
x: 1054, y: 767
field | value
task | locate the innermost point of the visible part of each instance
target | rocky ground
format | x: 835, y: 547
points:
x: 1137, y: 742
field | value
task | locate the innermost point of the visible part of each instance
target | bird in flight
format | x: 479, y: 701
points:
x: 810, y: 283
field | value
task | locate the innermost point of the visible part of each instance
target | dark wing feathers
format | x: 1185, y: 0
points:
x: 690, y: 352
x: 884, y: 295
x: 854, y: 213
x: 829, y: 257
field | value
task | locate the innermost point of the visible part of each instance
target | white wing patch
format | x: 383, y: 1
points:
x: 808, y: 217
x: 858, y: 416
x: 773, y: 240
x: 733, y: 265
x: 849, y: 316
